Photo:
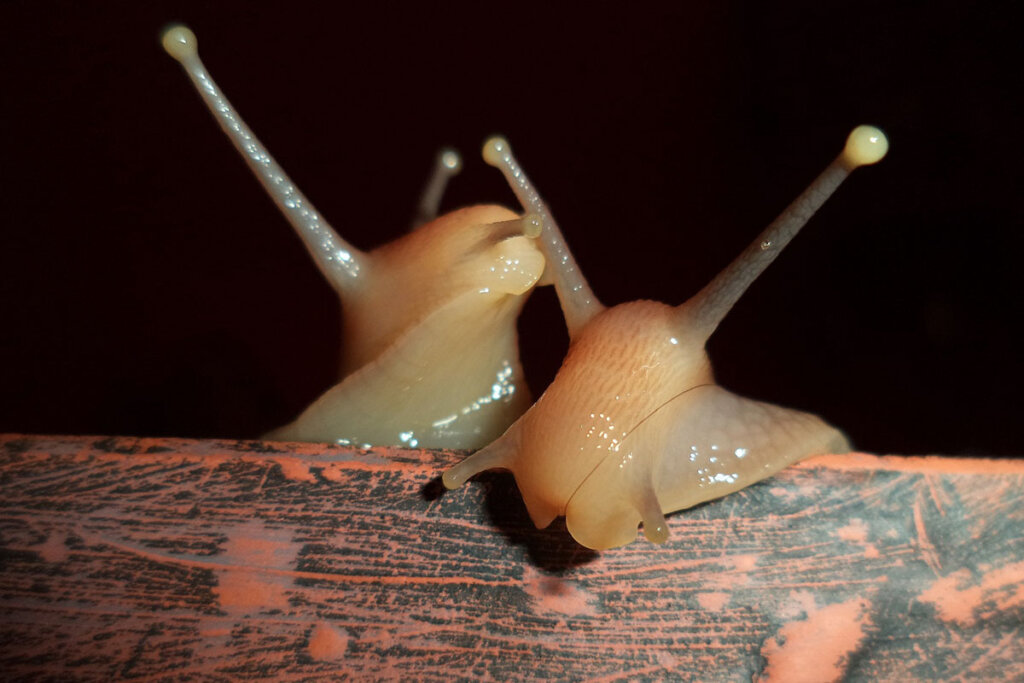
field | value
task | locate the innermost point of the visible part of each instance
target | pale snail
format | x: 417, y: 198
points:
x: 633, y: 426
x: 429, y: 347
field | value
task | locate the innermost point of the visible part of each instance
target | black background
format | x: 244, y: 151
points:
x: 149, y: 287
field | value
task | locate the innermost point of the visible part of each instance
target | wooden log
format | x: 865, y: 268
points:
x: 172, y: 559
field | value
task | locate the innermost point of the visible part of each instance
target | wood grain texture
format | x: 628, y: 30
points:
x: 171, y: 559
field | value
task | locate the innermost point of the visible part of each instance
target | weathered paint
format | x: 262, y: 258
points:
x: 171, y: 558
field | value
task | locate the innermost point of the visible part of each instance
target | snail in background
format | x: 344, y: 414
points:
x: 633, y: 426
x: 429, y: 349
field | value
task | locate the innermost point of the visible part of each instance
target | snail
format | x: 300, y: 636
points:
x: 429, y: 346
x: 633, y: 426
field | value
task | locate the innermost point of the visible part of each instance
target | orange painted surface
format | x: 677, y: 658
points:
x: 817, y: 648
x: 170, y: 558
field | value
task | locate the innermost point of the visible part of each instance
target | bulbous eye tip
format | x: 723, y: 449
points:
x: 450, y: 160
x: 179, y: 42
x: 865, y: 145
x: 496, y: 151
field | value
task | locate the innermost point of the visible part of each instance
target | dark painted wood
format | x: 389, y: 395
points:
x: 168, y: 559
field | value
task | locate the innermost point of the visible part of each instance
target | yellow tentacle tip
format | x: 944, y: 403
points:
x: 865, y: 145
x: 533, y: 226
x: 496, y: 151
x: 451, y: 479
x: 180, y: 42
x: 656, y: 533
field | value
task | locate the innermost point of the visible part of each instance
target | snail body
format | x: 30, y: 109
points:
x: 429, y: 353
x: 633, y: 426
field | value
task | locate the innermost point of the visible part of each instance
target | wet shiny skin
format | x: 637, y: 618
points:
x: 633, y: 426
x: 429, y: 353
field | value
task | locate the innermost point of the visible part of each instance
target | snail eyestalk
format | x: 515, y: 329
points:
x: 578, y: 302
x: 865, y: 145
x: 447, y: 165
x: 339, y: 261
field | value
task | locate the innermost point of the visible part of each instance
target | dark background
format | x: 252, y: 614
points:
x: 149, y: 287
